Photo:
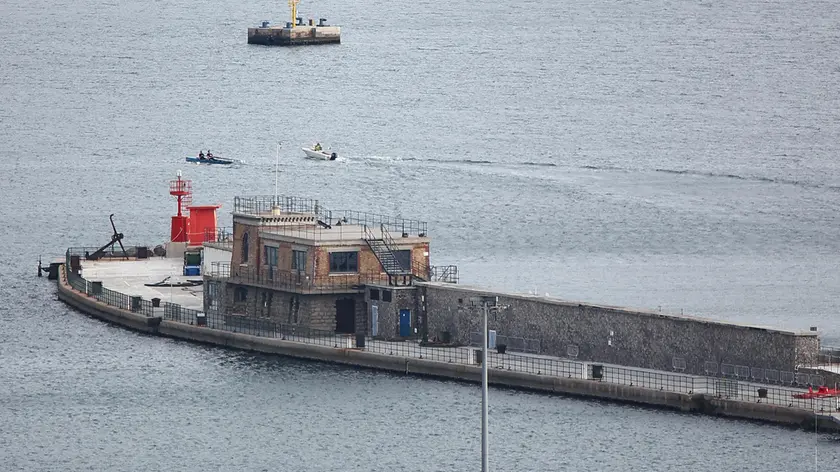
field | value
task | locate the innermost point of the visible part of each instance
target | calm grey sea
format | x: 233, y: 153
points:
x: 679, y: 156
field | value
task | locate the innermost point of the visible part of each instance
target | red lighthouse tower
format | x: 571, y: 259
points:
x: 182, y: 189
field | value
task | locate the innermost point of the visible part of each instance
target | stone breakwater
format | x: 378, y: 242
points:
x: 680, y: 396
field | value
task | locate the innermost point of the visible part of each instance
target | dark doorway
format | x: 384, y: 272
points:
x: 345, y: 315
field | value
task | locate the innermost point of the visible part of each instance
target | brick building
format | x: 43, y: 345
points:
x: 297, y: 263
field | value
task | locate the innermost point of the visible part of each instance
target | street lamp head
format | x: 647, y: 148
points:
x: 482, y: 300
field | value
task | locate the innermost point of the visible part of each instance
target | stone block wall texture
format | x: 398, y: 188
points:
x: 320, y: 311
x: 807, y: 350
x: 402, y: 298
x: 616, y: 335
x: 239, y: 231
x: 316, y: 311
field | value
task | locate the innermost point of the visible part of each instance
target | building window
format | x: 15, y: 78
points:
x: 271, y: 256
x: 386, y: 295
x: 374, y: 294
x: 344, y: 261
x: 240, y: 295
x: 299, y: 260
x: 245, y: 244
x: 270, y: 260
x: 404, y: 258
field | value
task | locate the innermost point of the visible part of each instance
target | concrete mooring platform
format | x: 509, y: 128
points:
x: 294, y: 35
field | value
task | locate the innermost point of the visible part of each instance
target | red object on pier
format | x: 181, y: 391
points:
x: 182, y: 189
x: 202, y: 224
x: 821, y: 392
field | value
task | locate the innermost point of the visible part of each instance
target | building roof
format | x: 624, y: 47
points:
x: 302, y: 219
x: 339, y: 233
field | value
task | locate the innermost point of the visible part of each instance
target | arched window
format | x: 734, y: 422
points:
x: 245, y: 247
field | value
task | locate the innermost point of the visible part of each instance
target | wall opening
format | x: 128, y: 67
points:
x: 294, y: 309
x: 245, y: 247
x: 345, y: 315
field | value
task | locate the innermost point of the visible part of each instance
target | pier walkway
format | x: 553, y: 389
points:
x: 184, y: 305
x: 130, y: 277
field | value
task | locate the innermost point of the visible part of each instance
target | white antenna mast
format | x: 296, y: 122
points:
x: 276, y: 171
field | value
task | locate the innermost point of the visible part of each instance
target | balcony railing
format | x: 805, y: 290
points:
x: 296, y: 281
x: 220, y: 237
x: 300, y: 282
x: 447, y: 273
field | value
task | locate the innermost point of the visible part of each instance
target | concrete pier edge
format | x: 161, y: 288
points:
x: 690, y: 403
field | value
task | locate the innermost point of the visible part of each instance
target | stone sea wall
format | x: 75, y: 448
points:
x: 616, y: 335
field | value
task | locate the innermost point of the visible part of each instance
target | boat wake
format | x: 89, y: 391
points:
x: 719, y: 175
x: 688, y: 172
x: 752, y: 178
x: 483, y: 162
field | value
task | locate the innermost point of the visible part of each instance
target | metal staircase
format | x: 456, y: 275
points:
x: 384, y: 247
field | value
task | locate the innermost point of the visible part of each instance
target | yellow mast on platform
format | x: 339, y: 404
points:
x: 293, y: 5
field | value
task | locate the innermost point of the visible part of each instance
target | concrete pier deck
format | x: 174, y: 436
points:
x: 129, y: 277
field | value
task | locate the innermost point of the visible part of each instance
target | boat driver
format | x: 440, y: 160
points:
x: 317, y: 147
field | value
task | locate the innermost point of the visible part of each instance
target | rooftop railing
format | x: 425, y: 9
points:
x: 264, y: 205
x: 399, y: 227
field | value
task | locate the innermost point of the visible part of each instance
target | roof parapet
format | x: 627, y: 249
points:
x: 309, y: 211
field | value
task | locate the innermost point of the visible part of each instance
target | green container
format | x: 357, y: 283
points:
x: 192, y: 259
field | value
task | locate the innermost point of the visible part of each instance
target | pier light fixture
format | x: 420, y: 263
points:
x: 293, y: 6
x: 488, y: 303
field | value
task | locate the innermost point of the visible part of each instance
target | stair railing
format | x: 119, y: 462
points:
x: 368, y: 234
x: 391, y: 245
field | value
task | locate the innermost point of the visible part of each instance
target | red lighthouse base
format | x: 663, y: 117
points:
x: 180, y: 228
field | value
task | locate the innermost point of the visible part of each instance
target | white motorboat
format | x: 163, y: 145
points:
x: 314, y: 152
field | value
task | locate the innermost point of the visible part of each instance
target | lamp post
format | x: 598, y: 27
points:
x: 484, y: 407
x: 486, y: 307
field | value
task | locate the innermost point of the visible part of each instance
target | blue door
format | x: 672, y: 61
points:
x: 405, y: 323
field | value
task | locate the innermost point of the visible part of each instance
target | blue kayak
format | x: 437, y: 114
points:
x: 212, y: 160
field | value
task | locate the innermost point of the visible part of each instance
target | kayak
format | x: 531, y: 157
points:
x: 212, y: 160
